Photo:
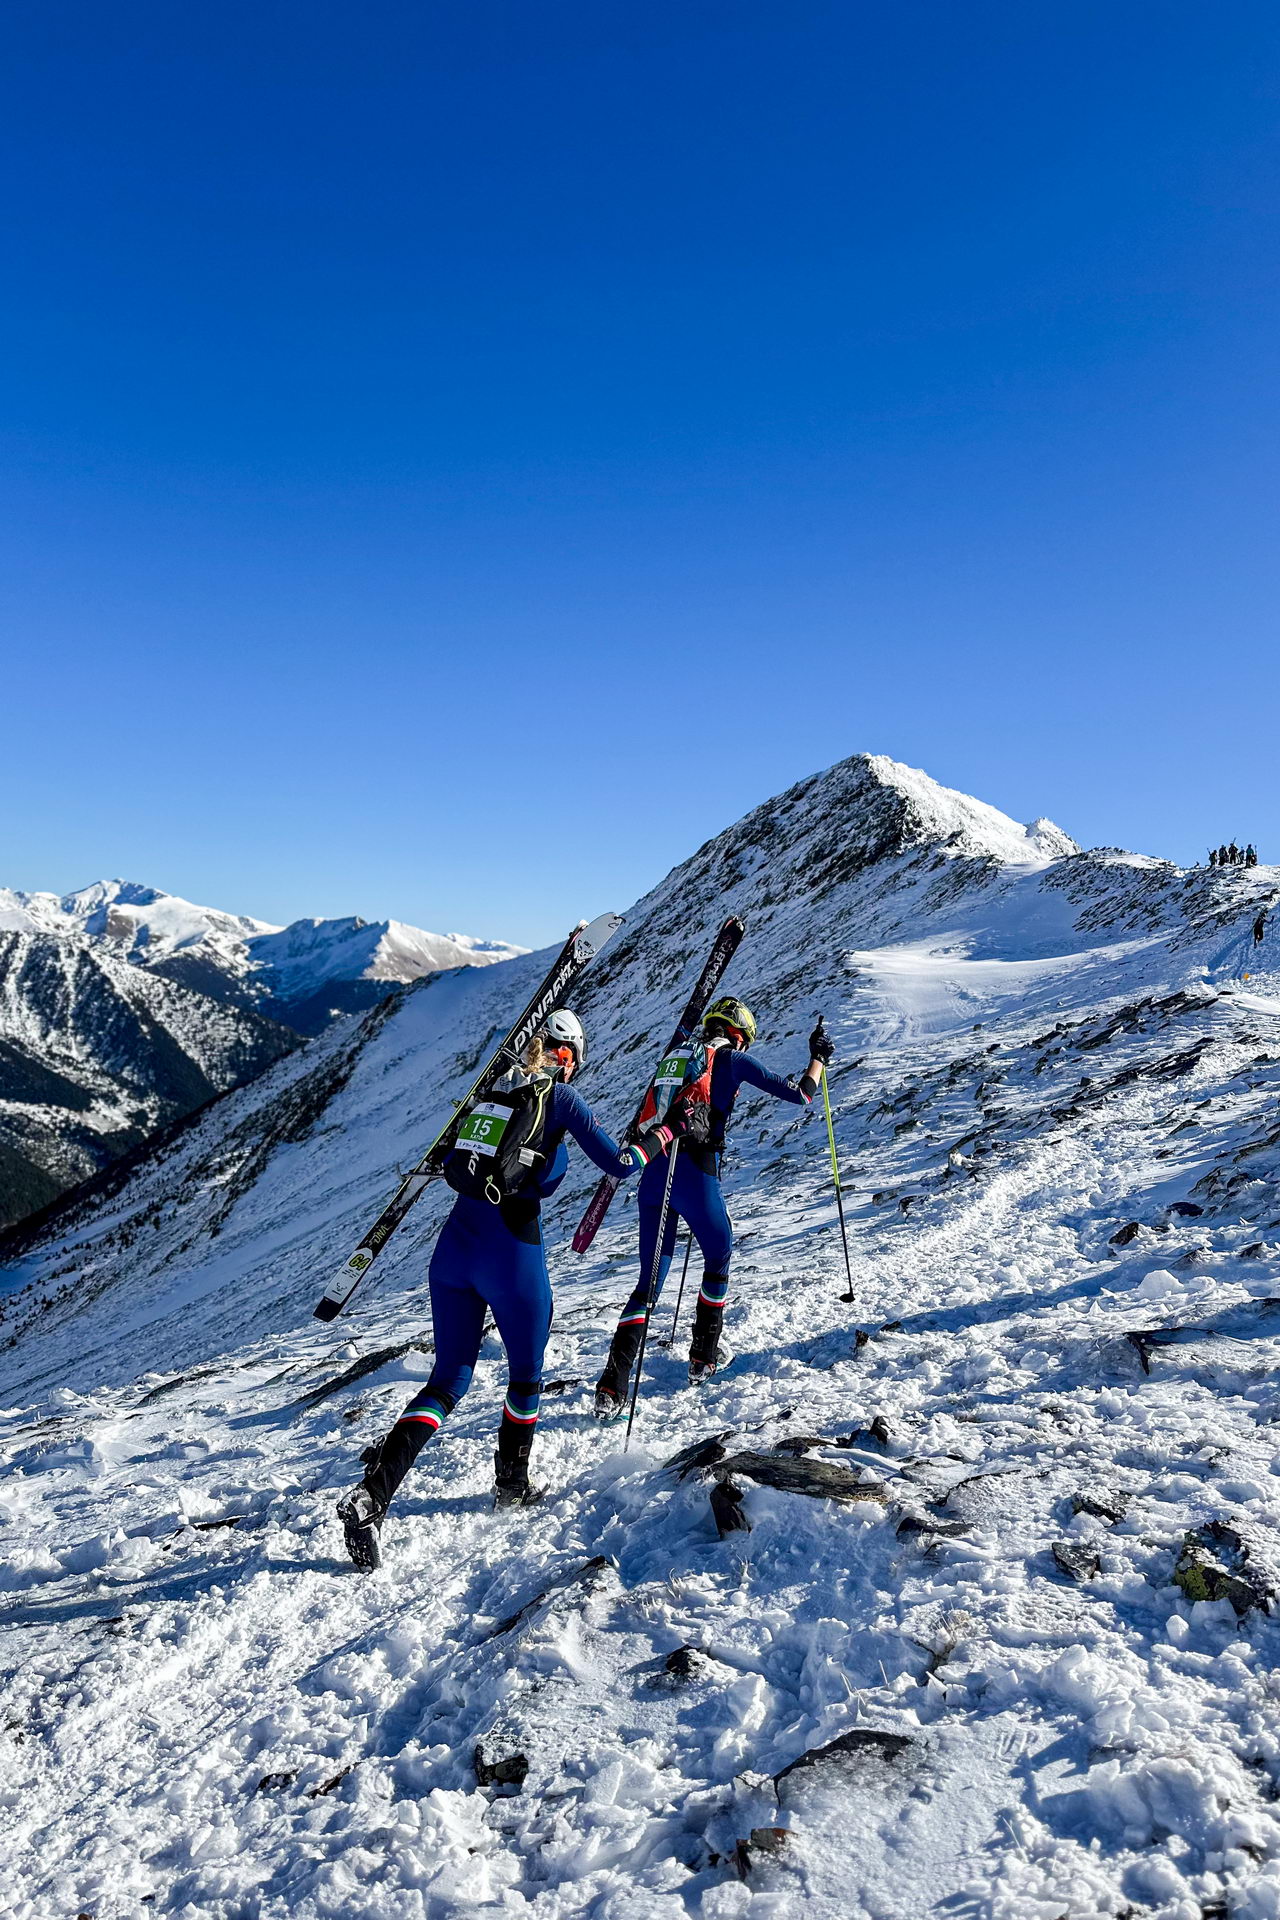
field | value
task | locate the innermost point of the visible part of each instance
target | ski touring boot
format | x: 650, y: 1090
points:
x: 611, y: 1387
x: 512, y: 1486
x: 708, y: 1353
x: 361, y: 1519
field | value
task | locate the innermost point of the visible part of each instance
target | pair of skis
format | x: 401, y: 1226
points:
x: 582, y: 946
x: 726, y: 945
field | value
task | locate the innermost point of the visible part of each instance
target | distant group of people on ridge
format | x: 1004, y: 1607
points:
x: 1233, y: 856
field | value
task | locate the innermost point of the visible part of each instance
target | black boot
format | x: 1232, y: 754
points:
x: 704, y: 1347
x: 611, y: 1387
x: 387, y: 1462
x: 361, y: 1518
x: 512, y: 1486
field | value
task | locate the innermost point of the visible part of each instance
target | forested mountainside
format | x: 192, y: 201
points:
x: 124, y: 1008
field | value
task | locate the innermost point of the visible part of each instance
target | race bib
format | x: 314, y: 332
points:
x: 483, y: 1128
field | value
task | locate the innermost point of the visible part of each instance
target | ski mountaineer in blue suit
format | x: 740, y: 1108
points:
x: 729, y: 1028
x: 489, y: 1256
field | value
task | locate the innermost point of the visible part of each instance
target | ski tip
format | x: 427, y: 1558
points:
x: 327, y: 1310
x: 590, y: 938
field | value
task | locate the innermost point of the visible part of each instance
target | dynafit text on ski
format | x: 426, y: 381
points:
x: 722, y: 952
x: 579, y: 950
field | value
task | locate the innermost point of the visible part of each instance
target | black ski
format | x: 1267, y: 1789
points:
x: 726, y: 945
x: 583, y: 944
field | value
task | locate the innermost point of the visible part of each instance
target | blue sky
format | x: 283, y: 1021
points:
x: 453, y: 460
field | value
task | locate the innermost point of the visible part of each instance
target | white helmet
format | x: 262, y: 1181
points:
x: 564, y: 1029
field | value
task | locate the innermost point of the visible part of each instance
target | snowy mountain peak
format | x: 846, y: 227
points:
x: 930, y: 812
x: 140, y: 921
x: 301, y: 958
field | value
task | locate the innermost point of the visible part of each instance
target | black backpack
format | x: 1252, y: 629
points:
x: 499, y: 1148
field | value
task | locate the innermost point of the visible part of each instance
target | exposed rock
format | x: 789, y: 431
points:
x: 511, y: 1771
x: 276, y: 1782
x: 821, y: 1479
x: 726, y: 1506
x: 769, y: 1841
x: 855, y: 1745
x: 367, y: 1363
x: 860, y: 1436
x: 1146, y: 1341
x: 931, y: 1524
x: 1111, y: 1509
x: 1077, y: 1560
x: 1214, y: 1565
x: 698, y: 1457
x: 1125, y: 1234
x: 327, y: 1786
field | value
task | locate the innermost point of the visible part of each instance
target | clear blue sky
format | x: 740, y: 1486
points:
x: 455, y: 458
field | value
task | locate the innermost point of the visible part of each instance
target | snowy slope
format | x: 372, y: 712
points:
x: 891, y: 1698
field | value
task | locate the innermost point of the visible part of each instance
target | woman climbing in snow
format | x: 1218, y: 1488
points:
x: 511, y: 1157
x: 728, y: 1028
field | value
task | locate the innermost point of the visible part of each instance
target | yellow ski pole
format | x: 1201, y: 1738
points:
x: 835, y: 1175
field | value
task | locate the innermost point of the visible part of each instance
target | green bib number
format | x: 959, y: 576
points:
x: 483, y: 1128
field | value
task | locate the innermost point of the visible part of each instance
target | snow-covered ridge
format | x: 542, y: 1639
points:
x: 236, y: 956
x: 997, y: 1642
x: 295, y: 961
x: 139, y: 922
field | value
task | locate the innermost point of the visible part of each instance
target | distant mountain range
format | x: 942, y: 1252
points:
x: 124, y: 1008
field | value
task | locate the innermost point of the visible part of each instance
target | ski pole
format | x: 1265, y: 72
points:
x: 835, y: 1175
x: 653, y: 1287
x: 684, y: 1274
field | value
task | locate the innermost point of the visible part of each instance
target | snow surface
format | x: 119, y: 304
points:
x: 207, y: 1713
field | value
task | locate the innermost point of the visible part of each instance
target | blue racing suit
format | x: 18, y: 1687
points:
x: 492, y: 1257
x: 697, y: 1198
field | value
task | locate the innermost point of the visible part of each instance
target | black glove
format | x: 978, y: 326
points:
x: 820, y: 1044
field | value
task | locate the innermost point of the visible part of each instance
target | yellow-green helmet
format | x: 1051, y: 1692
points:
x: 733, y: 1014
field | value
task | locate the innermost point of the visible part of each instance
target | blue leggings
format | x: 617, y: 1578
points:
x: 697, y: 1198
x: 478, y: 1263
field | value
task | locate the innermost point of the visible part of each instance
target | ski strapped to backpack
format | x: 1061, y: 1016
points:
x: 582, y: 946
x: 726, y: 945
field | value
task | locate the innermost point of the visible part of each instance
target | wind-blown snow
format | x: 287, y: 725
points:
x: 1055, y: 1104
